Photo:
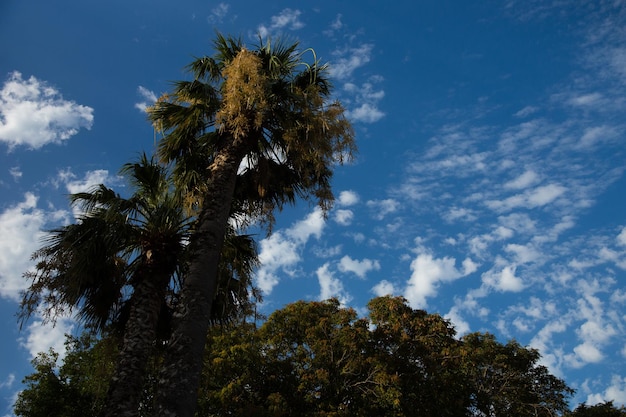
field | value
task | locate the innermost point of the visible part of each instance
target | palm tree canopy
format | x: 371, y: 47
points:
x: 275, y: 101
x: 91, y: 265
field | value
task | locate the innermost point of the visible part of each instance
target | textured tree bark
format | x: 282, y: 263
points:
x: 178, y: 383
x: 126, y: 387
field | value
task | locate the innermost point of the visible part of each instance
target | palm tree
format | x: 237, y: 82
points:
x: 119, y: 265
x: 116, y: 265
x: 263, y: 118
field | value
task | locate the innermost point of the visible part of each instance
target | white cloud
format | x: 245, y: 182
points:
x: 382, y: 208
x: 149, y: 98
x: 348, y: 198
x: 503, y: 278
x: 429, y: 272
x: 8, y: 382
x: 526, y: 111
x: 336, y: 24
x: 20, y: 235
x: 525, y: 180
x: 585, y: 100
x: 523, y: 253
x: 331, y: 286
x: 367, y: 97
x: 90, y: 180
x: 537, y: 197
x: 584, y: 353
x: 383, y: 288
x: 615, y: 392
x: 74, y: 185
x: 218, y: 13
x: 360, y: 268
x: 460, y: 325
x: 33, y: 114
x: 41, y: 337
x: 366, y: 113
x: 349, y: 59
x: 344, y: 217
x: 456, y: 213
x: 16, y: 173
x: 288, y: 18
x: 621, y: 238
x: 281, y: 251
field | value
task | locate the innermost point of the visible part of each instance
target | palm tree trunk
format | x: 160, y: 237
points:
x: 178, y: 383
x: 125, y: 391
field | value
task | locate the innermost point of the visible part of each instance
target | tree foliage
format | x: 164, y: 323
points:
x: 606, y: 409
x: 321, y: 359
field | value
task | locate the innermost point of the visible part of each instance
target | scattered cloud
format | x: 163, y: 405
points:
x: 428, y: 273
x: 16, y: 173
x: 347, y: 198
x: 330, y: 286
x: 334, y: 26
x: 616, y: 392
x: 21, y: 232
x: 365, y: 108
x: 42, y: 337
x: 148, y: 98
x: 383, y: 288
x: 381, y: 208
x: 503, y: 278
x: 349, y: 59
x: 288, y: 18
x: 218, y: 13
x: 343, y: 217
x: 281, y: 250
x: 359, y: 268
x: 525, y: 180
x: 8, y: 382
x: 34, y: 114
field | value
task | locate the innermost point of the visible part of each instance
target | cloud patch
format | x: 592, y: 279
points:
x: 359, y: 268
x: 34, y: 114
x: 288, y: 18
x: 281, y: 251
x: 428, y: 273
x: 21, y: 232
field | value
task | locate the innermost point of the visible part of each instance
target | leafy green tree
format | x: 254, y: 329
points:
x: 419, y: 355
x: 263, y: 118
x: 507, y: 379
x: 606, y: 409
x: 76, y: 388
x: 314, y: 359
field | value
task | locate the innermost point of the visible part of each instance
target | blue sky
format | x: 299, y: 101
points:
x: 489, y: 185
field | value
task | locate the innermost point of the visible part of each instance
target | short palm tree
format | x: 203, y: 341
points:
x: 256, y: 127
x: 116, y: 265
x: 120, y: 267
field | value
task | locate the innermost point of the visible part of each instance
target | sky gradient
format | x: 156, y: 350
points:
x: 488, y: 187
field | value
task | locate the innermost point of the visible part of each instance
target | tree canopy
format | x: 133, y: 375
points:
x: 319, y: 358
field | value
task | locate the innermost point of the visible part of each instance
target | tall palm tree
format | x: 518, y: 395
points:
x: 263, y: 118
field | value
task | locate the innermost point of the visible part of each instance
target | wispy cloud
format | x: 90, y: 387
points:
x: 286, y: 19
x: 148, y: 98
x: 218, y: 13
x: 330, y: 286
x: 21, y: 231
x: 428, y: 273
x: 359, y: 268
x: 348, y: 59
x: 281, y: 251
x: 34, y: 114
